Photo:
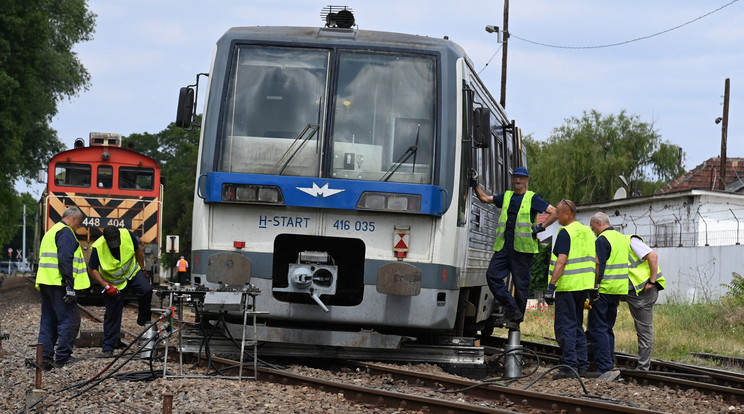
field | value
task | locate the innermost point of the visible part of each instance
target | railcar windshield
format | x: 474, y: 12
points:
x: 381, y: 117
x: 273, y: 111
x: 383, y: 125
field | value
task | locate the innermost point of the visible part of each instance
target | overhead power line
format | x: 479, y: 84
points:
x: 626, y: 41
x: 489, y: 60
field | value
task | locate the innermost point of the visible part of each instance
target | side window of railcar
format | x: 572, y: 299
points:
x: 500, y: 172
x: 73, y: 175
x: 105, y: 176
x: 132, y: 178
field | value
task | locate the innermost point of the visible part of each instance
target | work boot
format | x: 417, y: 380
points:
x: 563, y: 373
x: 68, y: 361
x: 512, y: 316
x: 47, y: 365
x: 609, y: 376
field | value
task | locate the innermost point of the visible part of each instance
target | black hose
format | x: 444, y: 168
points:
x: 573, y: 371
x: 89, y: 381
x: 95, y: 380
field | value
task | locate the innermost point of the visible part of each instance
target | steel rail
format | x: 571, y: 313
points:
x: 709, y: 381
x: 366, y: 395
x: 487, y: 391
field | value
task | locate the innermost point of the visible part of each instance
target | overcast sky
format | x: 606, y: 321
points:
x: 143, y: 51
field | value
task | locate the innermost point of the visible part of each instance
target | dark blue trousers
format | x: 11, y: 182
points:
x: 60, y: 323
x: 140, y: 286
x: 569, y: 328
x: 600, y: 324
x: 502, y: 263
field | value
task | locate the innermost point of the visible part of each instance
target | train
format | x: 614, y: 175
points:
x: 113, y: 185
x: 336, y: 162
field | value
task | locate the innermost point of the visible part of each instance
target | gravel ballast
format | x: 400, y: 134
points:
x: 19, y: 317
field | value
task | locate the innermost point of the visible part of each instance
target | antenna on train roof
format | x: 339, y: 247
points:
x: 343, y: 18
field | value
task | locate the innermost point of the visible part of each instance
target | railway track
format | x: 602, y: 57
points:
x: 715, y: 382
x: 720, y: 384
x: 482, y: 397
x: 495, y: 397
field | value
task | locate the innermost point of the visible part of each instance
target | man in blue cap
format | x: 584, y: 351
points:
x: 515, y: 242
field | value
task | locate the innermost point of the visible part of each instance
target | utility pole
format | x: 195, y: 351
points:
x: 24, y: 233
x: 724, y: 132
x: 503, y: 54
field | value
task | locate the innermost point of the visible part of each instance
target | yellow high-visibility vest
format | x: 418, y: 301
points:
x: 48, y: 272
x: 523, y: 240
x: 117, y: 272
x: 639, y: 272
x: 581, y: 265
x: 615, y: 278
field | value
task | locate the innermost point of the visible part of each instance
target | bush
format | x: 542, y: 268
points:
x: 539, y: 268
x: 736, y: 288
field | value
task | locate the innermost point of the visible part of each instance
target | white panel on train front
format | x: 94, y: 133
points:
x: 258, y: 227
x: 376, y: 230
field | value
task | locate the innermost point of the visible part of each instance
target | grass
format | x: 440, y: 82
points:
x: 716, y: 328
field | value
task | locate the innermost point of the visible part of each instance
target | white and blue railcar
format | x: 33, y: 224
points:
x: 337, y: 161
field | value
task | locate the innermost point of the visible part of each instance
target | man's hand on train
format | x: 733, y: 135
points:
x: 473, y: 181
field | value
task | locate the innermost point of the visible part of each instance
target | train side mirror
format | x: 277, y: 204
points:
x: 184, y: 116
x: 481, y: 127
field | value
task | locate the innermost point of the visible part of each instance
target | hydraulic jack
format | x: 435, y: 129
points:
x: 513, y: 352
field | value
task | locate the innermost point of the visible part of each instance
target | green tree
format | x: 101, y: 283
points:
x: 583, y: 158
x: 176, y: 150
x: 37, y: 69
x: 10, y: 216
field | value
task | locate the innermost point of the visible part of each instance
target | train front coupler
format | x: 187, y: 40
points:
x: 314, y: 274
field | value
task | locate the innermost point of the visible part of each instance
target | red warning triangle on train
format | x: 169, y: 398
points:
x: 401, y: 244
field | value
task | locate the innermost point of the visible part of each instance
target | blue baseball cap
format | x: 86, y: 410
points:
x: 521, y: 171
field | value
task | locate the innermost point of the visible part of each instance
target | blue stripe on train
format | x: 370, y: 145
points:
x: 323, y: 192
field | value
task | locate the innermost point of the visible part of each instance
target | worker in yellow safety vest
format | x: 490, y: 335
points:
x: 183, y: 266
x: 646, y: 280
x: 611, y: 284
x: 515, y: 242
x: 61, y: 272
x: 571, y: 276
x: 116, y: 262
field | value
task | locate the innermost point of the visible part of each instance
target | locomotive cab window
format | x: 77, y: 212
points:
x: 132, y: 178
x: 73, y: 175
x: 105, y: 176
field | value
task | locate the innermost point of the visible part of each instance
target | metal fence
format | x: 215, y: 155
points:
x: 694, y: 239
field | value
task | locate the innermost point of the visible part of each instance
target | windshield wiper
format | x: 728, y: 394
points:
x: 294, y: 148
x: 411, y: 151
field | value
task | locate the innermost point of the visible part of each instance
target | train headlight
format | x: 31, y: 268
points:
x: 407, y: 203
x: 269, y: 194
x: 246, y: 193
x: 252, y: 193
